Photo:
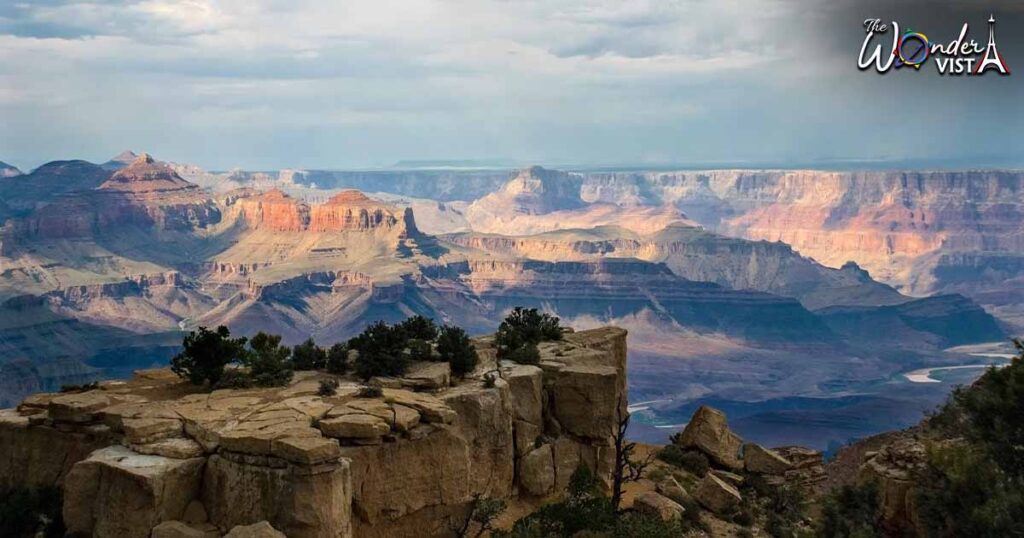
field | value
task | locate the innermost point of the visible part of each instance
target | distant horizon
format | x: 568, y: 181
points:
x: 965, y: 164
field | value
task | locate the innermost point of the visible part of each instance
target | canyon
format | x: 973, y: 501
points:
x: 118, y: 259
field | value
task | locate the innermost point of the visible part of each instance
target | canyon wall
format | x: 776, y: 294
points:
x: 132, y: 455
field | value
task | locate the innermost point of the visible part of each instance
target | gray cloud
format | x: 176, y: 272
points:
x: 308, y: 83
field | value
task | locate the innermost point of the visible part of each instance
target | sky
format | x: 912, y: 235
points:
x: 268, y: 84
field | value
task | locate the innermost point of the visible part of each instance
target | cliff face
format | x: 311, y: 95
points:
x: 145, y: 194
x: 698, y: 255
x: 345, y: 211
x: 314, y: 466
x: 539, y: 200
x: 903, y: 227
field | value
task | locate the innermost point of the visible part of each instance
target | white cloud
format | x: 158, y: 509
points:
x: 390, y: 79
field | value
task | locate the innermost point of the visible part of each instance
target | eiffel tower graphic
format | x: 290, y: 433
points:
x: 992, y: 59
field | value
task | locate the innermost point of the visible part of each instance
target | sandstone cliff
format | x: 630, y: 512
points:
x: 539, y: 200
x: 136, y: 454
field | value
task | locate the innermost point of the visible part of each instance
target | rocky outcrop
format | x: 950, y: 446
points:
x: 716, y: 494
x: 708, y: 431
x: 894, y: 469
x: 151, y: 455
x: 145, y: 194
x: 658, y: 506
x: 537, y: 200
x: 760, y: 460
x: 118, y: 492
x: 346, y: 211
x: 699, y: 255
x: 7, y: 170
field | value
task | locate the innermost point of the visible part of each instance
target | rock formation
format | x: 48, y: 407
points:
x: 153, y: 455
x: 537, y: 200
x: 7, y: 170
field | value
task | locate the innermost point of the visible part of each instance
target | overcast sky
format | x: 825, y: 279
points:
x: 265, y: 84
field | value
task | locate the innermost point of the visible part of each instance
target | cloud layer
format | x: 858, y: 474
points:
x: 304, y: 83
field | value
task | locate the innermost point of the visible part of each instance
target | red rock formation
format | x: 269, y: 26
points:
x: 346, y: 211
x: 275, y: 211
x: 145, y: 194
x: 145, y: 175
x: 352, y: 210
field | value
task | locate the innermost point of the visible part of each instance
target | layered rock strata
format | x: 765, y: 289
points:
x: 146, y: 455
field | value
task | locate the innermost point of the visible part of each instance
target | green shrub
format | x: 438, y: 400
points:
x: 850, y: 512
x: 974, y: 485
x: 381, y: 350
x: 420, y: 350
x: 691, y: 515
x: 657, y: 474
x: 328, y: 387
x: 963, y: 492
x: 337, y: 359
x: 31, y: 513
x: 268, y: 361
x: 525, y: 327
x: 990, y: 413
x: 455, y: 348
x: 206, y: 353
x: 743, y: 518
x: 419, y: 328
x: 85, y: 387
x: 309, y: 356
x: 691, y: 461
x: 234, y: 378
x: 525, y: 354
x: 369, y: 391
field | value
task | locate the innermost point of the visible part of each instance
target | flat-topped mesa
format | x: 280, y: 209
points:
x: 353, y: 210
x: 275, y: 211
x: 346, y: 211
x: 154, y: 450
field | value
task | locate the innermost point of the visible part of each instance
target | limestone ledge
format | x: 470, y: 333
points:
x: 132, y: 455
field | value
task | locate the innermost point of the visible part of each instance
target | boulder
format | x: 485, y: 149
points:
x: 363, y: 427
x: 140, y: 431
x: 399, y: 417
x: 179, y: 448
x: 658, y: 506
x: 178, y: 529
x: 119, y: 492
x: 671, y: 488
x: 727, y: 477
x: 537, y: 471
x: 428, y: 376
x: 716, y: 495
x: 257, y: 530
x: 430, y: 408
x: 708, y: 431
x: 78, y: 407
x: 760, y: 460
x: 808, y: 469
x: 257, y: 437
x: 567, y: 457
x: 306, y: 450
